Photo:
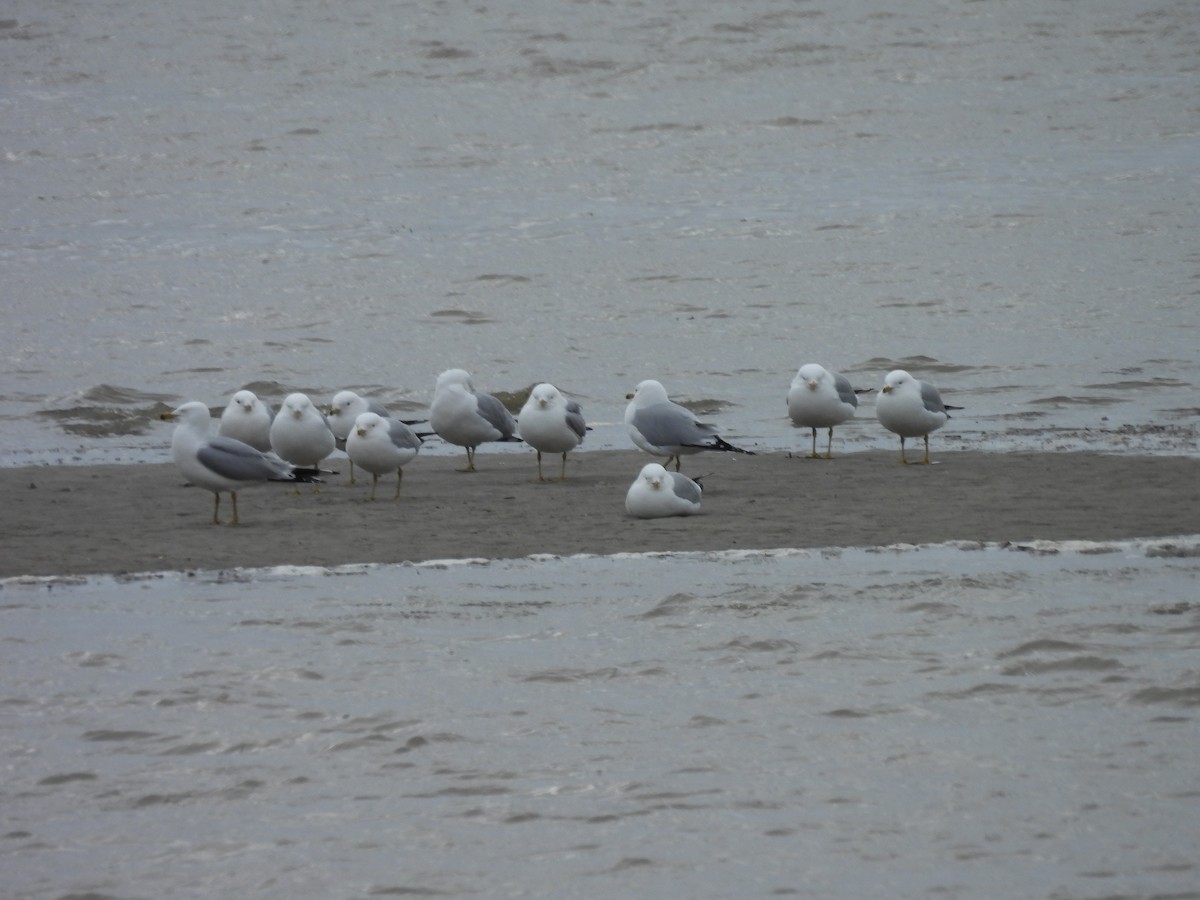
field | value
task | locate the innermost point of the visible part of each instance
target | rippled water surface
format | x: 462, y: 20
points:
x: 937, y: 722
x: 999, y: 196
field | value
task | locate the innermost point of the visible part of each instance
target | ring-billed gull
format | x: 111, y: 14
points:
x: 466, y: 417
x: 247, y: 419
x: 656, y: 493
x: 218, y: 463
x: 819, y: 398
x: 344, y: 410
x: 663, y: 428
x: 551, y: 423
x: 300, y: 433
x: 910, y: 408
x: 381, y: 445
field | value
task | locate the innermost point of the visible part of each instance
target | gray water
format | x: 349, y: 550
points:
x: 951, y: 721
x: 999, y: 196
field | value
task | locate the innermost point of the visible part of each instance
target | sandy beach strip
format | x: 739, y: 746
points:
x: 122, y: 519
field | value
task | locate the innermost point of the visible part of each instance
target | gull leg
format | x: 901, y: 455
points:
x: 233, y: 500
x: 399, y: 478
x: 539, y: 457
x: 903, y: 461
x: 352, y: 481
x: 374, y: 484
x: 470, y: 460
x: 829, y: 446
x: 562, y: 475
x: 926, y: 460
x: 813, y: 455
x: 216, y: 506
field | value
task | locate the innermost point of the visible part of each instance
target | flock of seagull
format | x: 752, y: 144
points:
x: 254, y: 444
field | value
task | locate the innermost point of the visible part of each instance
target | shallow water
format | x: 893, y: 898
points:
x: 1000, y: 197
x: 957, y: 721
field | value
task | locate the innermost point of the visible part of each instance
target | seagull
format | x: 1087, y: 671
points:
x: 248, y: 419
x: 663, y: 428
x: 380, y: 444
x: 819, y: 398
x: 656, y: 493
x: 344, y: 410
x: 910, y: 408
x: 218, y: 463
x: 462, y: 416
x: 551, y: 423
x: 300, y: 433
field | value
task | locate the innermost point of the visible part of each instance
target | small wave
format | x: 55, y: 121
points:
x: 109, y: 411
x: 916, y: 365
x: 766, y: 645
x: 113, y: 735
x: 67, y: 778
x: 266, y: 388
x: 1043, y: 645
x: 560, y: 676
x: 1137, y: 385
x: 1071, y: 664
x: 1065, y: 400
x: 1186, y: 695
x: 1178, y: 546
x: 110, y: 394
x: 670, y: 606
x: 463, y: 316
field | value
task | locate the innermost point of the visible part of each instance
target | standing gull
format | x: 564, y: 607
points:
x: 462, y: 416
x: 657, y: 493
x: 663, y: 428
x: 218, y: 463
x: 910, y: 408
x: 819, y: 398
x: 551, y: 423
x: 344, y: 410
x: 300, y: 433
x: 248, y: 419
x: 381, y: 445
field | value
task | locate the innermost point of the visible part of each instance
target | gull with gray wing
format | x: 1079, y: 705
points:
x: 466, y: 417
x: 663, y: 428
x: 218, y: 463
x: 657, y: 493
x: 819, y: 398
x: 910, y: 408
x: 551, y: 423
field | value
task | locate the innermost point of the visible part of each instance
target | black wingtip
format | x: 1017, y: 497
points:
x: 719, y: 444
x: 728, y: 447
x: 306, y: 476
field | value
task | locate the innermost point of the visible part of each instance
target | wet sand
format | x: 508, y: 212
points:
x: 119, y: 519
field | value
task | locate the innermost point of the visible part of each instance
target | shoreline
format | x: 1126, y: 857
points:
x: 122, y: 519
